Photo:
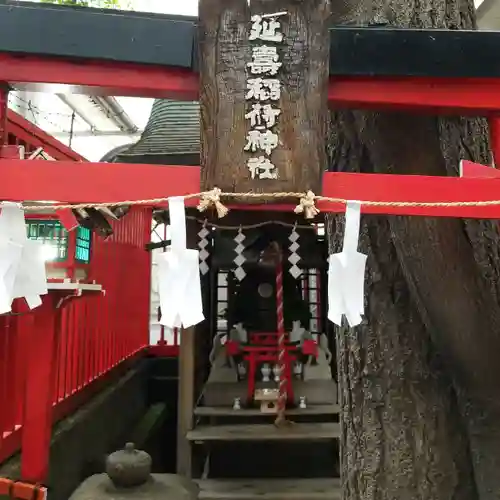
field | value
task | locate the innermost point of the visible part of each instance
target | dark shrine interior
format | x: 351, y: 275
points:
x: 247, y: 301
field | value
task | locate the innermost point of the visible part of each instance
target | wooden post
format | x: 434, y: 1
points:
x: 40, y: 384
x: 233, y: 116
x: 185, y: 405
x: 186, y: 384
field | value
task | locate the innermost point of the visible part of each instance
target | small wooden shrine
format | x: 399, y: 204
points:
x: 271, y: 359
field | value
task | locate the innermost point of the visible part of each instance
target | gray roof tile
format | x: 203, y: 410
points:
x: 173, y: 128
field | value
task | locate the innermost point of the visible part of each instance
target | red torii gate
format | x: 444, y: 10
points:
x: 39, y: 68
x: 366, y: 72
x: 105, y: 182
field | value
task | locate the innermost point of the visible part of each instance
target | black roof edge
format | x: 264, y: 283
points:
x: 168, y: 40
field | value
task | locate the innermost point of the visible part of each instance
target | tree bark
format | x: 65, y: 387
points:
x: 223, y: 53
x: 418, y: 381
x: 402, y: 436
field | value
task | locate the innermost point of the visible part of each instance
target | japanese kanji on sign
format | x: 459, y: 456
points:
x: 262, y: 136
x: 266, y: 134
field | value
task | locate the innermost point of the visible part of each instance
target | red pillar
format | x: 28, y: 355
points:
x: 494, y: 124
x: 40, y: 384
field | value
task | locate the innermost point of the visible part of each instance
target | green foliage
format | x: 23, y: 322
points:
x: 104, y: 4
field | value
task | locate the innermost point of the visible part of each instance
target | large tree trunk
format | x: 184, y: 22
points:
x: 418, y: 381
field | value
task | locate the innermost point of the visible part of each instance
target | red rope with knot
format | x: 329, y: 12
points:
x: 280, y: 314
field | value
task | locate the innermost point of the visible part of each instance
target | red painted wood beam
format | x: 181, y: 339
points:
x: 413, y: 188
x: 477, y: 170
x: 472, y: 96
x: 35, y: 136
x: 98, y: 78
x: 75, y: 182
x: 113, y: 182
x: 456, y: 95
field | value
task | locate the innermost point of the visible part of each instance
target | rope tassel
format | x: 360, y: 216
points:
x: 307, y: 206
x: 212, y: 199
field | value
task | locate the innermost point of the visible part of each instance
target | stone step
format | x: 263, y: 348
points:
x: 225, y: 411
x: 269, y: 489
x: 265, y: 432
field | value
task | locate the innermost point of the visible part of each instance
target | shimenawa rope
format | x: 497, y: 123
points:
x: 306, y: 202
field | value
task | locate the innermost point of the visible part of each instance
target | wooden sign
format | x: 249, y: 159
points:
x: 263, y: 94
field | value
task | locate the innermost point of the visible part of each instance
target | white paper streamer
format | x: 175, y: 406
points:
x: 10, y: 256
x: 179, y: 282
x: 346, y: 273
x: 22, y: 267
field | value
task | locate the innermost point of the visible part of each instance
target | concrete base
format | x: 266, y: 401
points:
x: 160, y: 487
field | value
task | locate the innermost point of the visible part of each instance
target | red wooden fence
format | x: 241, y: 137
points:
x: 101, y: 331
x: 64, y: 354
x: 92, y: 334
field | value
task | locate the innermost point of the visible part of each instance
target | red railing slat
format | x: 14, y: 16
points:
x: 50, y: 357
x: 91, y: 335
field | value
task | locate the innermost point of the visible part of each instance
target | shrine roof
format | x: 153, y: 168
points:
x: 173, y: 129
x: 159, y: 39
x: 88, y: 33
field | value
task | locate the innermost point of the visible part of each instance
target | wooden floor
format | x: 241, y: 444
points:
x: 269, y: 489
x: 264, y: 432
x: 223, y: 411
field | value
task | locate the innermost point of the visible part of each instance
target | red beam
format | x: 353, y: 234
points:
x: 474, y: 96
x: 72, y: 182
x: 163, y: 351
x: 36, y: 137
x: 98, y: 78
x: 471, y: 169
x: 413, y: 188
x: 113, y: 182
x: 457, y: 95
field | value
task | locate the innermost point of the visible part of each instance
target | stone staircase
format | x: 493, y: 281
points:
x: 270, y: 489
x: 249, y: 458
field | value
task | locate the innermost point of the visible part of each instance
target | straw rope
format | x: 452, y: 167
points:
x: 306, y: 203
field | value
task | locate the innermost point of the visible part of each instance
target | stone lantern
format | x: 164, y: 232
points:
x: 128, y: 477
